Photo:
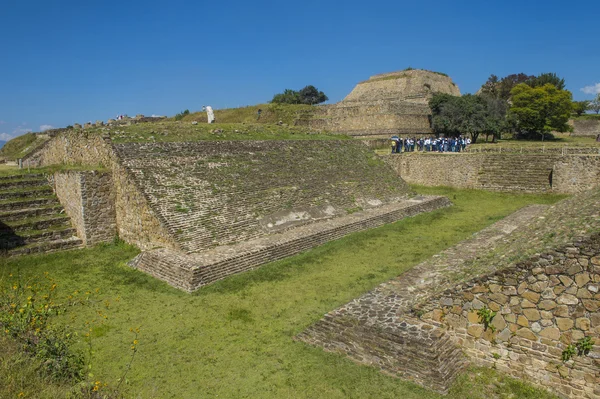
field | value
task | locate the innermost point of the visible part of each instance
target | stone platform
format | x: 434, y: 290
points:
x: 379, y: 328
x: 194, y: 270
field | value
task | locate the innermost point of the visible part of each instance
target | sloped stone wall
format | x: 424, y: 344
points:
x: 190, y: 272
x: 88, y: 198
x: 586, y: 127
x: 216, y: 193
x: 499, y: 172
x: 541, y: 306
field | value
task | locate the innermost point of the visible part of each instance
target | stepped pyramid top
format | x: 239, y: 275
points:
x: 411, y: 85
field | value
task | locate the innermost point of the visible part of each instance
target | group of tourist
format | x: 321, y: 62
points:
x: 429, y: 144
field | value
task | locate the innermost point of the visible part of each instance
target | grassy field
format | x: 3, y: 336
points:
x: 21, y: 146
x: 185, y: 131
x: 233, y: 339
x: 560, y: 140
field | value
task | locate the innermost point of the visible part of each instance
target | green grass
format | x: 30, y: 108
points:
x: 586, y: 116
x: 184, y: 131
x: 9, y: 170
x: 233, y: 339
x: 271, y: 113
x: 21, y: 146
x: 560, y: 140
x: 482, y: 383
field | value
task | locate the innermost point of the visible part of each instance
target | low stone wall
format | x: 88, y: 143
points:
x: 136, y: 222
x: 190, y: 272
x: 540, y: 307
x: 88, y: 198
x: 586, y: 127
x: 499, y: 172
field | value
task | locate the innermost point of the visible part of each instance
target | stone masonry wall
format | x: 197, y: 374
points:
x: 88, y: 198
x: 541, y: 306
x: 218, y: 193
x: 586, y: 127
x: 136, y: 222
x: 500, y: 172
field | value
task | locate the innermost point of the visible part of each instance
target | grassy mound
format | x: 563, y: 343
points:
x: 271, y: 113
x: 184, y: 131
x: 21, y: 146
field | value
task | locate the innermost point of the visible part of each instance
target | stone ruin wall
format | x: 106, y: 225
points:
x: 585, y: 127
x: 542, y: 305
x: 88, y: 199
x: 136, y: 222
x: 394, y: 103
x: 219, y: 193
x: 411, y: 86
x: 500, y: 172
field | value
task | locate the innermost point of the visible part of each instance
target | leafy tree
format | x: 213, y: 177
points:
x: 287, y: 97
x: 540, y: 110
x: 470, y: 114
x: 579, y: 107
x: 308, y: 95
x: 500, y: 88
x: 496, y: 110
x: 595, y: 104
x: 547, y: 78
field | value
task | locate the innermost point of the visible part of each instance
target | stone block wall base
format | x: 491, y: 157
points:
x: 192, y: 271
x: 416, y: 351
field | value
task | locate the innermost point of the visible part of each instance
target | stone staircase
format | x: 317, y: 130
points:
x: 525, y: 173
x: 31, y: 217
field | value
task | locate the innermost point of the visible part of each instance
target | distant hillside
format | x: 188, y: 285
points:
x: 21, y: 146
x: 270, y: 113
x: 2, y: 142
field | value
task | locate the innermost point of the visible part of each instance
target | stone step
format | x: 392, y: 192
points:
x: 28, y: 192
x: 10, y: 240
x: 22, y: 183
x: 20, y: 204
x: 36, y: 223
x: 30, y: 212
x: 47, y: 247
x: 23, y: 176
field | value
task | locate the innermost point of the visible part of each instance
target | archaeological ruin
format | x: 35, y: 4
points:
x: 514, y: 296
x: 386, y: 104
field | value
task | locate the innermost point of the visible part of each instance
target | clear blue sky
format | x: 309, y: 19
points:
x: 69, y: 61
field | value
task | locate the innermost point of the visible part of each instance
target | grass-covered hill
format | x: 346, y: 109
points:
x: 271, y: 113
x: 276, y: 122
x: 22, y: 145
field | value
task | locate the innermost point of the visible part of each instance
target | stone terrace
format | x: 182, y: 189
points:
x: 190, y: 272
x: 387, y: 310
x: 218, y: 193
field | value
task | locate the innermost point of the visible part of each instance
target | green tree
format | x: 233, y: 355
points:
x: 287, y: 97
x: 470, y: 114
x: 500, y: 88
x: 579, y: 107
x: 311, y: 95
x: 547, y: 78
x: 595, y: 104
x: 308, y: 95
x: 540, y: 110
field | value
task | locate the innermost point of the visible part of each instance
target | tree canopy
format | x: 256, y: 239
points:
x: 579, y: 107
x: 469, y: 114
x: 500, y: 88
x: 308, y: 95
x: 547, y: 78
x: 595, y: 104
x: 540, y: 110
